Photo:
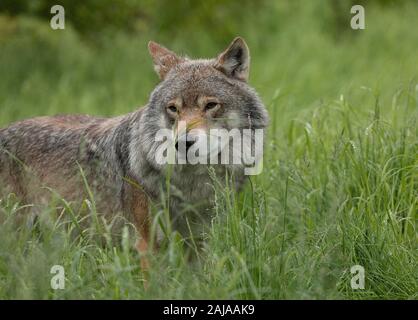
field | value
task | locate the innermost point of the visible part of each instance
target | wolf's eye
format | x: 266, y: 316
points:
x: 211, y: 105
x: 172, y: 108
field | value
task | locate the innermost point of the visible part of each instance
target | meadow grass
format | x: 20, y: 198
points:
x: 339, y: 186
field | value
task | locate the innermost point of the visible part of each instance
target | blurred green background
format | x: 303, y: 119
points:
x: 340, y: 181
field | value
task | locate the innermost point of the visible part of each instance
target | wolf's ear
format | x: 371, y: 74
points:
x: 235, y: 60
x: 163, y: 59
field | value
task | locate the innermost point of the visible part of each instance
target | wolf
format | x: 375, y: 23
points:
x: 117, y: 155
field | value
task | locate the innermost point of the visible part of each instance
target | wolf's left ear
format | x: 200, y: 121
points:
x: 163, y: 59
x: 235, y: 60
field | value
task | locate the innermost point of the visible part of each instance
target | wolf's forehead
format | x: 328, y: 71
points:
x: 190, y: 92
x: 197, y: 77
x: 199, y: 66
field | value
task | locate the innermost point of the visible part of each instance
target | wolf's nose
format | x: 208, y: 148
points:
x: 187, y: 143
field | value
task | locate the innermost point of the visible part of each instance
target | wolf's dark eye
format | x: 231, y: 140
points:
x: 172, y: 108
x: 211, y: 105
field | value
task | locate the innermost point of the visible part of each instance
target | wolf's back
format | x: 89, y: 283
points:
x: 48, y: 145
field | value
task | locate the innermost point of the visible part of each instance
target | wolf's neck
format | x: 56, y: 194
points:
x: 113, y: 142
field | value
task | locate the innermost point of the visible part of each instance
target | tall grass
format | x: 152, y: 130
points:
x: 340, y: 180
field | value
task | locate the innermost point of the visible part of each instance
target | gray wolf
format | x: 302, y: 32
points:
x: 117, y: 154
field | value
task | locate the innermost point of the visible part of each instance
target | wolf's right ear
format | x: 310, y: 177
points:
x: 163, y: 59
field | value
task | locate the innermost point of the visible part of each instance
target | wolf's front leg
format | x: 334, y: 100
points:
x: 139, y: 208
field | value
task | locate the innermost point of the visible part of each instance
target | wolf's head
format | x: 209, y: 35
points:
x: 196, y: 96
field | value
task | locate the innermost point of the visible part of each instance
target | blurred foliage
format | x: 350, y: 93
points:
x: 170, y: 18
x: 85, y: 16
x: 167, y: 19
